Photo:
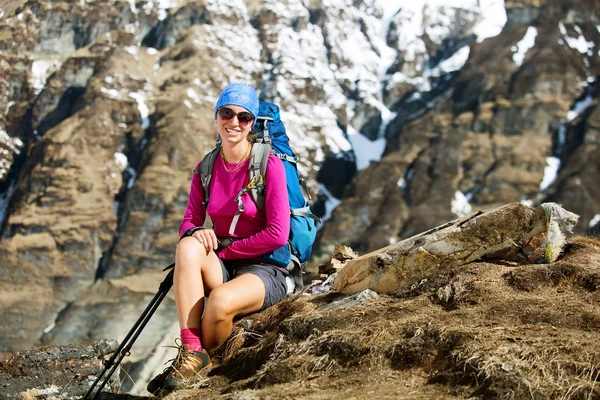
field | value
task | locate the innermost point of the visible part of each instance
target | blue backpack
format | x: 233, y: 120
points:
x: 272, y: 138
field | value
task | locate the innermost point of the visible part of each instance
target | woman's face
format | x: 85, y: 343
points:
x: 230, y: 128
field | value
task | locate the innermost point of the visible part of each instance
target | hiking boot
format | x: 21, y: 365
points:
x: 155, y: 386
x: 187, y: 364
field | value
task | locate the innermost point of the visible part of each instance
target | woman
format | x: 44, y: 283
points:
x: 238, y: 284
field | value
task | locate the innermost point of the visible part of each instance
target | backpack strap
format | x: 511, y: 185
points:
x: 305, y: 212
x: 266, y: 121
x: 206, y: 171
x: 258, y: 171
x: 285, y: 157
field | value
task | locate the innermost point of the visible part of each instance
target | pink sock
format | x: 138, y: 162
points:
x: 191, y: 337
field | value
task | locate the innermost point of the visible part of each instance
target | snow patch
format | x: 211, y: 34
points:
x: 492, y: 21
x: 550, y: 172
x: 121, y: 161
x: 493, y: 13
x: 527, y: 202
x: 460, y: 205
x: 12, y: 143
x: 8, y: 106
x: 193, y: 95
x: 111, y: 93
x: 579, y: 107
x: 140, y: 98
x: 40, y: 71
x: 132, y: 6
x: 8, y: 147
x: 579, y: 43
x: 453, y: 63
x: 365, y: 150
x: 524, y: 45
x: 50, y: 327
x: 133, y: 50
x: 132, y: 177
x: 162, y: 7
x: 594, y: 220
x: 330, y: 204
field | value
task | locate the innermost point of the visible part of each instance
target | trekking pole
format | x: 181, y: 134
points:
x: 124, y: 348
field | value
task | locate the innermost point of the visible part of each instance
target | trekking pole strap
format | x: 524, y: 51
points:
x: 223, y: 243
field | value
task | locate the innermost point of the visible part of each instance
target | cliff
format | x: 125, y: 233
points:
x: 404, y: 117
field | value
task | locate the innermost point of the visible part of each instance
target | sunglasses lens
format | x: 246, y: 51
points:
x: 226, y: 113
x: 245, y: 118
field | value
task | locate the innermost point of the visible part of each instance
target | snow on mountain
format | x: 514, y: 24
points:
x: 524, y: 45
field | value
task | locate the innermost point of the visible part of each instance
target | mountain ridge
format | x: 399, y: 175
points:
x: 106, y: 107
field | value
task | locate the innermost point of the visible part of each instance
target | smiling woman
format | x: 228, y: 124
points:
x: 238, y: 282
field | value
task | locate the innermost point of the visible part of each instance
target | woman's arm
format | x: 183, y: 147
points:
x: 195, y: 214
x: 277, y: 213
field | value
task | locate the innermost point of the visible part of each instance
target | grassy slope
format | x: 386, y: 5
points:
x: 483, y: 330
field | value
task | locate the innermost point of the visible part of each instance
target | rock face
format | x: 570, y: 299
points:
x: 105, y: 109
x: 521, y: 109
x: 52, y: 372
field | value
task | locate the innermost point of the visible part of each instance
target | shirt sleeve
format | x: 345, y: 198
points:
x: 195, y: 214
x: 277, y: 213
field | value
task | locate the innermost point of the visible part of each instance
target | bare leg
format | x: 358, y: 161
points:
x: 195, y: 272
x: 243, y: 295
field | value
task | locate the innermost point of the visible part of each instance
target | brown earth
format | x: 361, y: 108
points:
x: 482, y: 330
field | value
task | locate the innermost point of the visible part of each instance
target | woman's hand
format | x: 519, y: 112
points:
x: 207, y: 238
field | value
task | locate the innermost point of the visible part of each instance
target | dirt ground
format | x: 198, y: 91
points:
x: 482, y: 330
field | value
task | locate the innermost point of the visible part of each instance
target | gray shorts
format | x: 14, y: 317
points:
x: 272, y: 276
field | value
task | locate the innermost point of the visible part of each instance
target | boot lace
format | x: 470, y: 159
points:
x: 183, y: 361
x: 181, y: 357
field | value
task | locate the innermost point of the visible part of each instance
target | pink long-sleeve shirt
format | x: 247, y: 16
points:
x: 257, y: 233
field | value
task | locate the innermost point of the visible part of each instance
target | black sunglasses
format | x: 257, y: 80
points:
x: 243, y: 117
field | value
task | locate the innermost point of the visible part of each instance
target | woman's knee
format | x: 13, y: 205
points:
x: 220, y: 304
x: 190, y: 247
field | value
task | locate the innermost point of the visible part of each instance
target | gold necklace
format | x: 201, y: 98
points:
x: 238, y: 165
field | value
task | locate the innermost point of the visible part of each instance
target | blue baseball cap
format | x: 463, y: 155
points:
x: 239, y: 94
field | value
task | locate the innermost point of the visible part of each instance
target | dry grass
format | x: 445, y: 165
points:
x: 514, y: 370
x: 483, y: 330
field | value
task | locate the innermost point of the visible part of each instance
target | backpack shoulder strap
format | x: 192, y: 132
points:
x: 256, y: 185
x: 258, y: 172
x: 206, y: 172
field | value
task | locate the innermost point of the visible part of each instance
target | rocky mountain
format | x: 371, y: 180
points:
x: 404, y: 116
